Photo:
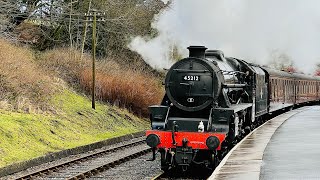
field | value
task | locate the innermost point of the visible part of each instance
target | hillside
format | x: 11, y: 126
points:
x: 44, y: 106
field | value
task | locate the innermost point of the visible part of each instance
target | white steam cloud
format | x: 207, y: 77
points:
x: 165, y: 1
x: 247, y: 29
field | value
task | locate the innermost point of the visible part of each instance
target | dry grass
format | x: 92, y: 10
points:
x: 131, y: 89
x: 23, y: 85
x: 65, y: 63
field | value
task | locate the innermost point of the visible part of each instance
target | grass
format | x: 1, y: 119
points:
x: 25, y: 136
x: 41, y: 113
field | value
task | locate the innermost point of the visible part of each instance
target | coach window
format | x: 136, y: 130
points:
x: 289, y: 87
x: 274, y: 84
x: 300, y: 89
x: 313, y: 90
x: 278, y: 89
x: 309, y: 87
x: 306, y: 88
x: 272, y: 88
x: 314, y: 87
x: 292, y: 88
x: 285, y: 88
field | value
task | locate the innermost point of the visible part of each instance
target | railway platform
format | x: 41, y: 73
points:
x: 286, y: 147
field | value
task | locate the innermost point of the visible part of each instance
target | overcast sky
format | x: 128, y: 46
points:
x: 248, y: 29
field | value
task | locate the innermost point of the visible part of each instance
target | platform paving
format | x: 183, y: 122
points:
x: 294, y: 150
x: 247, y: 160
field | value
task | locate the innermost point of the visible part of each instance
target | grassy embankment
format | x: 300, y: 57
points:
x: 41, y: 113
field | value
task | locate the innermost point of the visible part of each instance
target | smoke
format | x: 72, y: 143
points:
x: 165, y: 1
x: 246, y: 29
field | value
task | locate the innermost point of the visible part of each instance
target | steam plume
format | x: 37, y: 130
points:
x: 247, y: 29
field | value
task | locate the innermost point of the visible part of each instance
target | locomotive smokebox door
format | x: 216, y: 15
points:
x: 193, y: 83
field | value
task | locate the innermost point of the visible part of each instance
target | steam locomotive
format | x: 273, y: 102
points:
x: 212, y: 101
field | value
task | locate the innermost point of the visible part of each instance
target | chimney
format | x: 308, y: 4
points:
x: 197, y: 51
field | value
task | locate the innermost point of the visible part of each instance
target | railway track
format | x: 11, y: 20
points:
x: 89, y: 165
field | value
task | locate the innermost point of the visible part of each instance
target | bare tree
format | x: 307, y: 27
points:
x: 281, y: 61
x: 62, y: 22
x: 9, y: 16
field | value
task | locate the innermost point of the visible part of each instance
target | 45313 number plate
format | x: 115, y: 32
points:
x: 191, y: 78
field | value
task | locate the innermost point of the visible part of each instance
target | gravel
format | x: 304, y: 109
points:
x: 136, y: 169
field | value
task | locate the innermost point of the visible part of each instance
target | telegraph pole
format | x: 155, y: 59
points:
x: 94, y: 45
x: 94, y: 40
x: 85, y: 31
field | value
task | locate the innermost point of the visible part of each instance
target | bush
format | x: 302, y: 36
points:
x: 65, y: 63
x: 23, y: 85
x: 133, y: 88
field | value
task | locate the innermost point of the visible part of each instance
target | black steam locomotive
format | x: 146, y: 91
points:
x: 212, y: 101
